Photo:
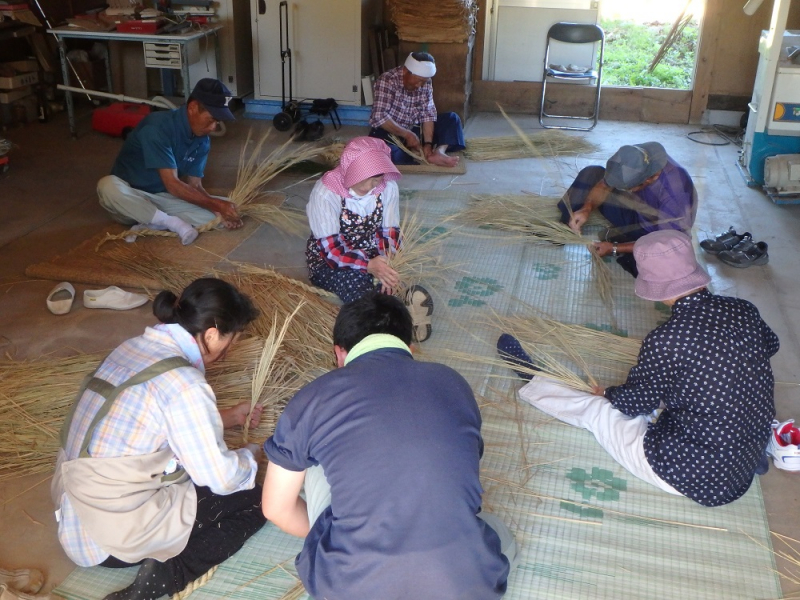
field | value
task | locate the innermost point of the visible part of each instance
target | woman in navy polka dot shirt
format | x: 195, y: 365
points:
x: 707, y: 366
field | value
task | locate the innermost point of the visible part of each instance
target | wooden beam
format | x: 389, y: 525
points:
x: 616, y: 103
x: 707, y: 49
x: 480, y: 34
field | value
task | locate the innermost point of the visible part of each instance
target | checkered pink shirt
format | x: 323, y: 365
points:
x: 407, y: 109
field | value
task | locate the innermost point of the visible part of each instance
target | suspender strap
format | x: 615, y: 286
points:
x: 110, y: 393
x: 64, y: 433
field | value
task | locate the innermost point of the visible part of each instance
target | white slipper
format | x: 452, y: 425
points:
x: 112, y: 297
x: 420, y: 305
x: 28, y: 581
x: 60, y: 298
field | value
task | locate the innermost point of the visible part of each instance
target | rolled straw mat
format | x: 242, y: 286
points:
x: 83, y: 264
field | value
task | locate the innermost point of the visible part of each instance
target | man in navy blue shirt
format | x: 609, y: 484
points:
x: 388, y: 451
x: 156, y: 180
x: 707, y: 367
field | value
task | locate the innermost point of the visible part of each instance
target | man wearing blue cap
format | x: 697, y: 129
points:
x: 156, y: 181
x: 641, y: 190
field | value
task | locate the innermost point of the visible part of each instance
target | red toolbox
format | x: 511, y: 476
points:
x: 119, y: 118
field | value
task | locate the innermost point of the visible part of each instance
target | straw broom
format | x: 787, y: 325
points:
x: 547, y: 143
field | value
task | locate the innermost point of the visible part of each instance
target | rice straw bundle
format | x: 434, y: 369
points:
x: 143, y: 261
x: 518, y: 217
x: 570, y: 354
x: 288, y: 219
x: 309, y: 337
x: 546, y: 143
x: 35, y: 397
x: 552, y: 344
x: 420, y: 256
x: 263, y: 369
x: 232, y: 382
x: 447, y: 21
x: 331, y: 154
x: 417, y: 155
x: 516, y: 213
x: 254, y: 172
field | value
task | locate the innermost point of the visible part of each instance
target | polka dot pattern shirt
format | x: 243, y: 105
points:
x: 708, y: 365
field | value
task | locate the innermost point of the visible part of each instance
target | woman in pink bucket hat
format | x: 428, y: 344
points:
x: 707, y: 367
x: 354, y: 215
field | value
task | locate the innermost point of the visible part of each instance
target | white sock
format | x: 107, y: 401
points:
x: 139, y: 227
x: 186, y: 232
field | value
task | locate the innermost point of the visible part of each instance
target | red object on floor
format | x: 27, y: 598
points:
x: 3, y: 163
x: 119, y: 118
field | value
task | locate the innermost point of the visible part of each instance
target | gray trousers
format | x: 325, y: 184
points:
x: 318, y: 498
x: 129, y: 206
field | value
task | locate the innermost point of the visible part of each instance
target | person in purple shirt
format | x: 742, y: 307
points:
x: 640, y: 190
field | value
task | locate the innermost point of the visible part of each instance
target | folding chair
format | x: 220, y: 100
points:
x: 573, y: 33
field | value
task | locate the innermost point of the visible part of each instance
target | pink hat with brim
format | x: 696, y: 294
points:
x: 667, y: 266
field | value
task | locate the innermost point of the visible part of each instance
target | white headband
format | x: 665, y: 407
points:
x: 420, y: 68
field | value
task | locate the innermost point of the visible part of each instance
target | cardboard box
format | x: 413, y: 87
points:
x: 23, y: 66
x: 9, y: 97
x: 12, y: 83
x: 92, y: 74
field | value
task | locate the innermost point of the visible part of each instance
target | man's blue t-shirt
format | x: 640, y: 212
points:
x: 400, y: 444
x: 162, y: 140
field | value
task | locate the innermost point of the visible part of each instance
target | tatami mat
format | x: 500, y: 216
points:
x: 586, y: 528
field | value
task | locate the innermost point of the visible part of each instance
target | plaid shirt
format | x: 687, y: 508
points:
x: 392, y: 101
x: 177, y: 410
x: 324, y: 210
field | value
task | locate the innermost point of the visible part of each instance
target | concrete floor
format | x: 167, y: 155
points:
x: 49, y: 204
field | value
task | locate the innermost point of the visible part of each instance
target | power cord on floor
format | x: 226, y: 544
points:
x: 730, y: 135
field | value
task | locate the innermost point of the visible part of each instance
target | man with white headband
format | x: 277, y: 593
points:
x: 404, y: 108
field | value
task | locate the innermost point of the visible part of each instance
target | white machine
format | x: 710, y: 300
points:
x: 773, y: 126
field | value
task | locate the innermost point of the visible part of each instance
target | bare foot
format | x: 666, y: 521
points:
x: 442, y: 160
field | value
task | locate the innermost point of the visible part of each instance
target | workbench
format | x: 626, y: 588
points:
x: 163, y: 50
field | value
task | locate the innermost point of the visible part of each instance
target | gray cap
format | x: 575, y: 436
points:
x: 632, y: 165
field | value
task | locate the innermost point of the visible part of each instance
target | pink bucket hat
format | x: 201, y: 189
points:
x: 667, y: 266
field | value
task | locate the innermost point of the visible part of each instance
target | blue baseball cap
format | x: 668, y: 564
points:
x: 214, y: 96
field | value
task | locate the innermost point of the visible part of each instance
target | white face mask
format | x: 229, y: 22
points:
x: 353, y: 194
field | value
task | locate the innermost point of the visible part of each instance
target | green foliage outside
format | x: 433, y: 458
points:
x: 631, y: 47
